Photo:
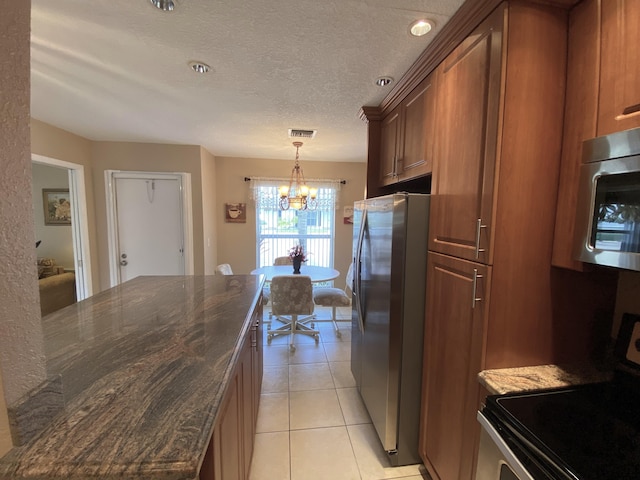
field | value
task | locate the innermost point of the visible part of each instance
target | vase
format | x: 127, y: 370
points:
x: 296, y: 265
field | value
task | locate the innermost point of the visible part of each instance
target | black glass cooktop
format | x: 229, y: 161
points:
x: 590, y: 432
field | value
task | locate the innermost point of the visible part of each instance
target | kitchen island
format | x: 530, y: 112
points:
x: 151, y: 373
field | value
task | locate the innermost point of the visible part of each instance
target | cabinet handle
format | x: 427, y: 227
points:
x: 475, y: 299
x: 479, y: 227
x: 631, y: 110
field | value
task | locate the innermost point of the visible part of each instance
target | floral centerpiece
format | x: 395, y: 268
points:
x: 297, y: 256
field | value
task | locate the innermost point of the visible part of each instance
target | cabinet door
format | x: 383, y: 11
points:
x: 390, y: 137
x: 247, y: 403
x: 619, y: 102
x: 468, y: 105
x: 457, y: 294
x: 227, y: 439
x: 418, y: 110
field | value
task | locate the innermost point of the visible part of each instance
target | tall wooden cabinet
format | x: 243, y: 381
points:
x: 498, y: 144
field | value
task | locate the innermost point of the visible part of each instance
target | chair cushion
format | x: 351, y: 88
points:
x: 331, y: 297
x: 291, y: 295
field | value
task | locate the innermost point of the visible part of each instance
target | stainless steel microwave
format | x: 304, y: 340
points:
x: 608, y: 217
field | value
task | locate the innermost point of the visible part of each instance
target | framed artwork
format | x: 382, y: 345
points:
x: 347, y: 216
x: 57, y: 207
x: 235, y: 212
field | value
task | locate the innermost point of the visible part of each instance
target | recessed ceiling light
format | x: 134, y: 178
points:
x: 166, y: 5
x: 420, y: 27
x: 199, y: 67
x: 383, y: 81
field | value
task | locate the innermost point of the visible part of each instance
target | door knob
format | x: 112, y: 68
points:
x: 123, y: 263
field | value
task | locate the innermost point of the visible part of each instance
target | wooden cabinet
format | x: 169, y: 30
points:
x: 498, y: 144
x: 603, y: 96
x: 407, y: 135
x: 390, y: 146
x: 230, y: 450
x: 457, y: 290
x: 580, y: 123
x: 468, y: 105
x: 619, y: 99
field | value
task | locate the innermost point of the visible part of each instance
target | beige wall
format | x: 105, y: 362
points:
x: 22, y: 365
x: 209, y: 211
x: 58, y: 144
x: 236, y: 241
x: 145, y: 157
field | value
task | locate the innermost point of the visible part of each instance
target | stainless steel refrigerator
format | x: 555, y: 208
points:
x: 390, y: 263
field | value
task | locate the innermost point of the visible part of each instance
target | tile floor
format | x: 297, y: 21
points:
x: 312, y: 424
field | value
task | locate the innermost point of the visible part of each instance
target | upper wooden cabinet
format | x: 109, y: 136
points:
x: 406, y: 136
x: 465, y: 146
x: 390, y: 146
x: 619, y: 100
x: 603, y: 96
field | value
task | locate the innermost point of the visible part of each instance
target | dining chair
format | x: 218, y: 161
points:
x: 292, y: 296
x: 334, y: 298
x: 266, y: 294
x: 224, y: 269
x: 282, y: 260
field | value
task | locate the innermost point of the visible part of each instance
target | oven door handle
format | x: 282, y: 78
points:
x: 510, y: 458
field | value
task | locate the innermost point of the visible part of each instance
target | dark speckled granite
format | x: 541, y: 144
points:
x: 143, y: 368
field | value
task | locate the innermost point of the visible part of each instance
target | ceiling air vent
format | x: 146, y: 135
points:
x: 298, y: 133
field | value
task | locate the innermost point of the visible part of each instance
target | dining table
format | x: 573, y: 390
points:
x: 317, y: 274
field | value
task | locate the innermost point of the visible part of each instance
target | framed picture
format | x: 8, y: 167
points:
x: 235, y: 212
x: 57, y: 207
x: 347, y: 217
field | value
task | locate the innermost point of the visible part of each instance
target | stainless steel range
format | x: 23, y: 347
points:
x: 589, y: 432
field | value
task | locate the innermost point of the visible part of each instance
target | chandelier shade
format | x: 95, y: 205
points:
x: 297, y: 195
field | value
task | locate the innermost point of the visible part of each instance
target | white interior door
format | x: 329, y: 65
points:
x: 149, y: 223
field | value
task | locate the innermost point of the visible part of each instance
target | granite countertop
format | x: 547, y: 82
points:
x: 142, y: 369
x: 508, y: 380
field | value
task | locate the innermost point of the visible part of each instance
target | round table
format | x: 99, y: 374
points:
x: 317, y: 274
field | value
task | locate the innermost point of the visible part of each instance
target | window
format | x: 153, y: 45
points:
x: 277, y: 230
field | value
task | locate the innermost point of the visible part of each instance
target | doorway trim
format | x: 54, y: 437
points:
x: 79, y: 223
x: 184, y: 179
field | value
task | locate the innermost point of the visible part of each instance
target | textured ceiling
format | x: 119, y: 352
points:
x: 118, y: 70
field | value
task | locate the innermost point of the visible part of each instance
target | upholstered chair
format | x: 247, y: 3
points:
x: 292, y: 296
x: 334, y: 298
x: 282, y: 261
x: 224, y: 269
x: 266, y: 293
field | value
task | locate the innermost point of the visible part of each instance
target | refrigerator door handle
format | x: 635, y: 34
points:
x: 357, y: 268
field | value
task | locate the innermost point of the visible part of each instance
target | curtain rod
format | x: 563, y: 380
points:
x: 342, y: 182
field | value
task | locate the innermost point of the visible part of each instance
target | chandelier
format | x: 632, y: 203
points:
x: 297, y: 194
